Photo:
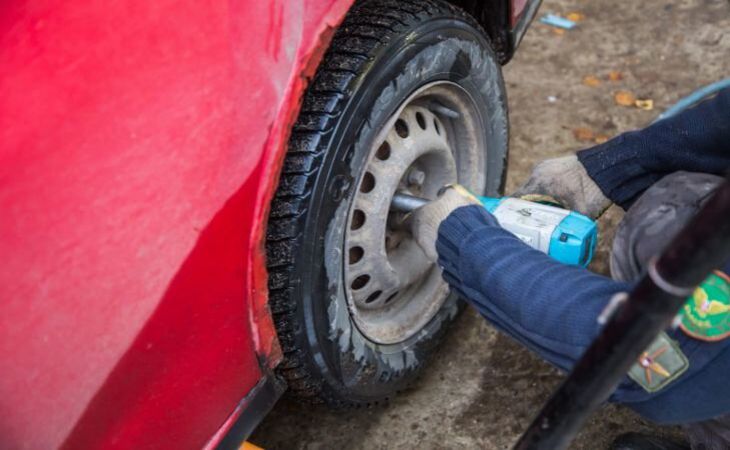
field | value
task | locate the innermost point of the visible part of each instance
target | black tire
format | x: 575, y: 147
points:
x: 367, y: 72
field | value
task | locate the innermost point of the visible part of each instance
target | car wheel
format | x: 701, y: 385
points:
x: 409, y: 97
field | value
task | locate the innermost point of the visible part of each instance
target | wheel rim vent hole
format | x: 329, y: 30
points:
x: 355, y: 254
x: 401, y: 128
x: 421, y: 121
x: 390, y: 297
x: 360, y: 282
x: 372, y: 297
x: 358, y: 219
x: 436, y: 125
x: 383, y: 152
x: 368, y: 183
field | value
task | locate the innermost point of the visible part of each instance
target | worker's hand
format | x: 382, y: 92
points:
x: 565, y: 181
x: 425, y: 221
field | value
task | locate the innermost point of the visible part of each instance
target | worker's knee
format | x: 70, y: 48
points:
x: 659, y: 213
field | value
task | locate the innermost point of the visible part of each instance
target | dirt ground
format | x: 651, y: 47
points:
x: 482, y: 389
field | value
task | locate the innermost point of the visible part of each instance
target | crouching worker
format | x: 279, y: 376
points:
x: 661, y: 176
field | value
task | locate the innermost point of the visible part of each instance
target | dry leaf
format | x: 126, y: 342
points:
x: 624, y: 98
x: 600, y: 139
x: 575, y: 16
x: 583, y: 134
x: 615, y: 75
x: 646, y: 105
x: 591, y: 81
x: 558, y: 31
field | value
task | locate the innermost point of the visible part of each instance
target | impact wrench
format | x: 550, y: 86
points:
x: 567, y: 236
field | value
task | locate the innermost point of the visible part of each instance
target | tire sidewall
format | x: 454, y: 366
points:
x: 438, y: 49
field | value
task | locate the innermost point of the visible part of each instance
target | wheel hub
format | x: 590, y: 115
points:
x: 433, y: 140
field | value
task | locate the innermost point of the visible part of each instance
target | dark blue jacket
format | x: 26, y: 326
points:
x: 552, y: 308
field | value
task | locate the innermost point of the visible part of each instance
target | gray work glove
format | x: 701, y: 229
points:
x: 425, y: 220
x: 565, y: 181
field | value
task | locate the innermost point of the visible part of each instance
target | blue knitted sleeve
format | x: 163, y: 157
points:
x: 549, y: 307
x: 695, y: 140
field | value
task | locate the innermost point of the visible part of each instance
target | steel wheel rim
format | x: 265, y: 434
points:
x: 436, y: 137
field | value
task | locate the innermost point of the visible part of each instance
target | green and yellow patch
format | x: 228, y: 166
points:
x: 706, y: 315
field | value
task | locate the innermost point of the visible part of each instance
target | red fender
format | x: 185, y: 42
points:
x: 139, y: 150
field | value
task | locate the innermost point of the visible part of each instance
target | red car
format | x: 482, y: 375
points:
x: 194, y: 205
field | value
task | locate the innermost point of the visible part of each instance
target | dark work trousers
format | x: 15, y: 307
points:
x: 650, y: 223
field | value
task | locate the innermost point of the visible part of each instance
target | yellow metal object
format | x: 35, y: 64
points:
x: 249, y: 446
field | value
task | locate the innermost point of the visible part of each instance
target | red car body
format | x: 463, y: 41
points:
x: 140, y: 148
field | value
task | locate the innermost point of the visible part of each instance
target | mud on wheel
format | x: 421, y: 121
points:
x: 409, y: 97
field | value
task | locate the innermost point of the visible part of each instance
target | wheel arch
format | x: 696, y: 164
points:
x: 494, y: 16
x: 505, y: 21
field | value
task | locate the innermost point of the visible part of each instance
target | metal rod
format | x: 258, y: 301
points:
x: 702, y: 246
x: 406, y: 203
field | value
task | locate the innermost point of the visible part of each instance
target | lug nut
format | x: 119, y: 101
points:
x: 416, y: 177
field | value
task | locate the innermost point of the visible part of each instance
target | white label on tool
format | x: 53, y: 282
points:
x: 531, y: 222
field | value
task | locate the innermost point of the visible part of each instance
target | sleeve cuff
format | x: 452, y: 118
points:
x: 616, y: 168
x: 453, y: 231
